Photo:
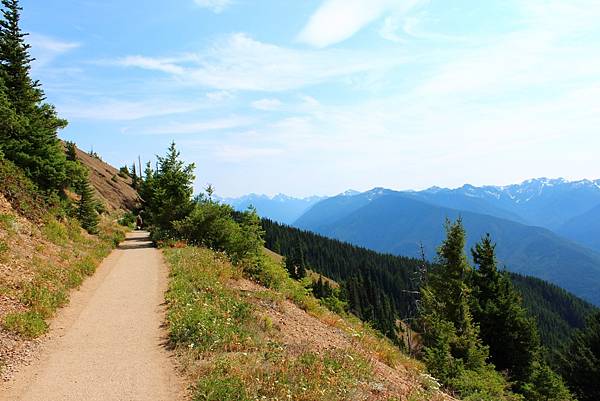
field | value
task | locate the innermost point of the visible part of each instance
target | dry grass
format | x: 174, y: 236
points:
x: 42, y: 261
x: 238, y: 340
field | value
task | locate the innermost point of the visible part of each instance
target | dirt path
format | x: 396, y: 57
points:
x: 108, y: 343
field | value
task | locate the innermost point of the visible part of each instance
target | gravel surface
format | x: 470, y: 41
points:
x: 109, y: 343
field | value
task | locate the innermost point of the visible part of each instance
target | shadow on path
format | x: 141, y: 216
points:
x: 138, y: 240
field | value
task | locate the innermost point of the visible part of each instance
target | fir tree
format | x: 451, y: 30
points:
x: 31, y: 143
x: 580, y: 361
x: 296, y: 263
x: 450, y: 335
x: 71, y: 151
x: 86, y: 207
x: 504, y: 324
x: 15, y: 61
x: 167, y: 193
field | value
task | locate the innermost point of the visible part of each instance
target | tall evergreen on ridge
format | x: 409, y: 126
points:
x: 31, y: 140
x: 15, y: 61
x: 504, y: 324
x: 451, y: 338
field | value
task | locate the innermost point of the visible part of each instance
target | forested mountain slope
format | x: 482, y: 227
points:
x: 557, y: 312
x: 394, y: 223
x: 584, y: 229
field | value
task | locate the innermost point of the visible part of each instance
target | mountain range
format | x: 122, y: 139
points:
x: 281, y: 208
x: 547, y: 228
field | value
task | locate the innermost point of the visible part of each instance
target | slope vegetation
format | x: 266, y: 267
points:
x: 556, y: 311
x: 241, y: 341
x: 112, y: 190
x: 41, y: 259
x: 393, y: 223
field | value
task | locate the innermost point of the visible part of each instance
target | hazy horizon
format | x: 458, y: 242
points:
x: 319, y: 96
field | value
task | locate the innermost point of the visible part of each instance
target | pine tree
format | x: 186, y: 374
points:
x: 296, y: 263
x: 504, y: 324
x: 450, y: 335
x: 86, y: 207
x: 146, y: 186
x: 15, y: 61
x: 32, y: 143
x: 167, y: 193
x: 580, y: 361
x: 71, y: 151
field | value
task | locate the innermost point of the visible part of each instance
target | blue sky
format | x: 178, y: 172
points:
x: 318, y: 96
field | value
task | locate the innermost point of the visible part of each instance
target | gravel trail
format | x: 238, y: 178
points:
x: 109, y: 343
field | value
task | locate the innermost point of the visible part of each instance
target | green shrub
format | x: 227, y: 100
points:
x: 44, y: 300
x: 27, y: 324
x: 215, y: 387
x: 128, y: 220
x: 212, y: 225
x: 203, y: 314
x: 483, y: 385
x: 55, y: 232
x: 267, y: 272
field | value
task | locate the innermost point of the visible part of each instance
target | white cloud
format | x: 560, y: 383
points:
x: 219, y: 96
x: 198, y: 127
x: 389, y: 30
x: 237, y: 153
x: 337, y: 20
x: 267, y: 104
x: 240, y: 62
x: 149, y: 63
x: 46, y: 49
x: 122, y: 110
x: 217, y: 6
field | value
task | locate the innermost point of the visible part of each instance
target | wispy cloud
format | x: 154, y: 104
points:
x: 337, y: 20
x: 216, y: 6
x: 267, y: 104
x: 122, y: 110
x: 200, y: 126
x: 156, y: 64
x: 46, y: 49
x: 240, y: 62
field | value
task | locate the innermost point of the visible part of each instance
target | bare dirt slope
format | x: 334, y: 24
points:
x: 300, y: 331
x: 108, y: 344
x: 115, y: 191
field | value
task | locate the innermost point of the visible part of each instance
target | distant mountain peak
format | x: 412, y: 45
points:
x: 349, y: 192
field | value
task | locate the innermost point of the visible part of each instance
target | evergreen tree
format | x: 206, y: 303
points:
x: 32, y: 143
x: 170, y: 192
x: 580, y: 361
x: 136, y: 179
x: 71, y: 151
x: 504, y: 324
x: 451, y: 341
x: 296, y: 263
x: 86, y: 207
x: 146, y: 186
x: 15, y: 61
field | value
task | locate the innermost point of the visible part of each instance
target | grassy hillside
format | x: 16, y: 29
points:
x: 557, y: 312
x: 395, y: 224
x: 112, y: 189
x: 241, y: 341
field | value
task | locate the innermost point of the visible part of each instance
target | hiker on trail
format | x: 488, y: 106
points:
x: 139, y: 222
